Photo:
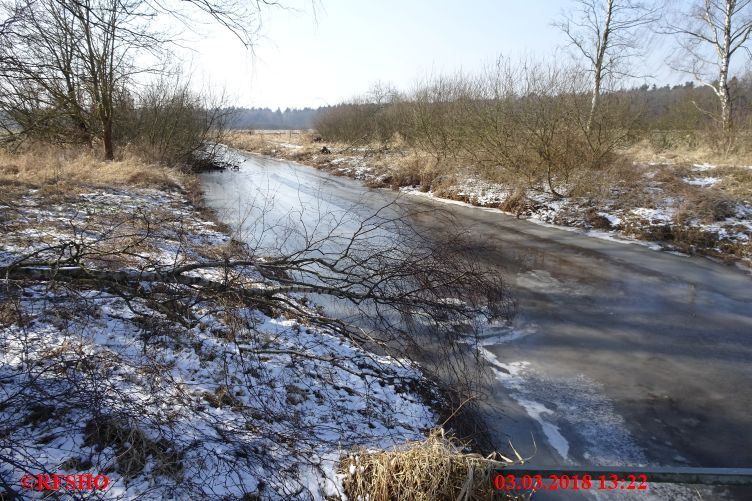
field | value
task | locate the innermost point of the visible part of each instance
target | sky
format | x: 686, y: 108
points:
x: 311, y: 55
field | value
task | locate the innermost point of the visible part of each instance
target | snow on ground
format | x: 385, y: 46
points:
x: 702, y: 181
x: 354, y: 167
x: 654, y: 216
x: 619, y: 224
x: 482, y: 193
x: 548, y: 215
x: 241, y: 402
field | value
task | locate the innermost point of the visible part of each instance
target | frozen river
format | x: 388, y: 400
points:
x: 619, y: 354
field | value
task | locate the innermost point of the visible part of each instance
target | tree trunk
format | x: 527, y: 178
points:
x: 726, y: 106
x: 603, y: 44
x: 595, y: 99
x: 109, y: 150
x: 723, y: 89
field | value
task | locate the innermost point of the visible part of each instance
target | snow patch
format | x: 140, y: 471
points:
x: 655, y: 216
x: 702, y: 181
x: 266, y: 404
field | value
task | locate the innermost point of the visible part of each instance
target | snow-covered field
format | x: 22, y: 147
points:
x: 170, y: 392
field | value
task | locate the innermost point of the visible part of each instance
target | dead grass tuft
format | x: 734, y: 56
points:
x: 11, y: 313
x: 431, y: 469
x: 405, y: 175
x: 735, y: 181
x: 415, y: 169
x: 132, y: 447
x: 221, y: 397
x: 692, y: 147
x: 63, y: 168
x: 597, y: 221
x: 247, y: 140
x: 515, y: 203
x: 707, y: 205
x: 692, y: 240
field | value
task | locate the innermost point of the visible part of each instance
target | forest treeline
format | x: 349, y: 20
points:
x: 666, y: 107
x: 266, y: 118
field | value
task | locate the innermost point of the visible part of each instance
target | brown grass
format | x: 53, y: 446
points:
x: 431, y: 469
x: 411, y: 170
x: 246, y: 140
x: 736, y: 181
x: 49, y: 166
x: 133, y: 448
x: 11, y: 313
x: 708, y: 205
x: 267, y: 142
x: 691, y: 147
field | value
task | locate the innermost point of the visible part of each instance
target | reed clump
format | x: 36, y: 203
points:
x: 435, y: 468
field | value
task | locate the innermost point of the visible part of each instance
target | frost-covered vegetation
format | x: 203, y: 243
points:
x: 142, y: 342
x: 172, y: 393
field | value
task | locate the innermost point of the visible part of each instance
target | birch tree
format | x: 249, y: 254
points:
x: 711, y: 33
x: 608, y: 34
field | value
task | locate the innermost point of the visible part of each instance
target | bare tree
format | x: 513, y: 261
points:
x: 711, y: 33
x: 67, y: 66
x: 67, y: 63
x: 608, y: 34
x: 42, y: 92
x: 105, y: 55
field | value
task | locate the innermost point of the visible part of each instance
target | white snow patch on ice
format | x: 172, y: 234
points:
x: 511, y: 375
x: 541, y: 280
x: 578, y: 402
x: 494, y: 335
x: 536, y: 410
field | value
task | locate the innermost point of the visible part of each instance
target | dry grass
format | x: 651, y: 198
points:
x: 133, y: 447
x: 691, y: 147
x: 707, y: 205
x: 266, y: 142
x: 736, y: 181
x: 431, y: 469
x: 49, y: 166
x: 412, y: 169
x: 403, y: 166
x: 11, y: 313
x: 246, y: 140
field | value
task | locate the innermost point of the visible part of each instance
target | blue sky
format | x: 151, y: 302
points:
x: 312, y: 59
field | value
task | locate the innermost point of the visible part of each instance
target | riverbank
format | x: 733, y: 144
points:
x: 671, y: 204
x: 130, y: 350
